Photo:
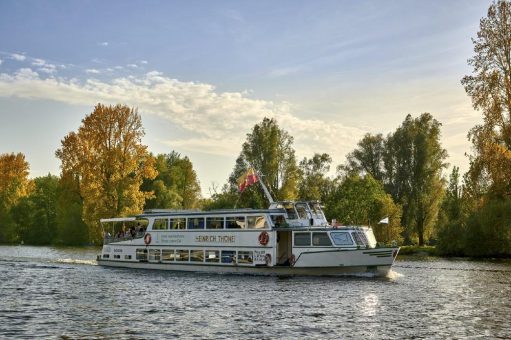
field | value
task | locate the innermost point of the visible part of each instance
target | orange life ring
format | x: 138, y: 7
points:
x: 147, y: 239
x: 292, y: 260
x: 267, y: 259
x: 264, y: 238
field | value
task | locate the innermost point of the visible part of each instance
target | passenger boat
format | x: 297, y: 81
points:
x: 288, y: 238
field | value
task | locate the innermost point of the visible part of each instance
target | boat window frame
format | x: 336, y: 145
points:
x: 247, y: 259
x: 302, y: 233
x: 197, y: 254
x: 215, y: 259
x: 322, y: 233
x: 185, y: 258
x: 201, y: 226
x: 237, y: 220
x: 170, y: 252
x: 256, y: 217
x: 159, y: 219
x: 332, y: 236
x: 217, y: 218
x: 182, y: 223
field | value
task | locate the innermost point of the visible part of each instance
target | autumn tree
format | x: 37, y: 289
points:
x: 107, y: 157
x: 269, y: 149
x: 14, y: 185
x: 489, y: 86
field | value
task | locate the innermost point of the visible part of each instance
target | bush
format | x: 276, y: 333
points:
x: 488, y: 231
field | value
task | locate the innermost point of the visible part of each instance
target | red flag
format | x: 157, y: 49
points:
x: 247, y: 179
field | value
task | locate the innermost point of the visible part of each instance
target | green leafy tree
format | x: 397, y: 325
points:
x: 269, y: 149
x: 35, y: 214
x: 314, y: 183
x: 368, y: 157
x: 176, y: 186
x: 452, y: 218
x: 417, y: 161
x: 71, y: 228
x: 360, y: 200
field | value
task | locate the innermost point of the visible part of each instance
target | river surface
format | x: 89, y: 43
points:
x: 50, y: 292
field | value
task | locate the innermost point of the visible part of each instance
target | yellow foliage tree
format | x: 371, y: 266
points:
x: 110, y: 162
x: 14, y: 182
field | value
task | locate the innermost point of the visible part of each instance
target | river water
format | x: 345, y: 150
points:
x: 50, y: 292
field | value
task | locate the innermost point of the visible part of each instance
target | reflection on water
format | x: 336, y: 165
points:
x: 60, y: 292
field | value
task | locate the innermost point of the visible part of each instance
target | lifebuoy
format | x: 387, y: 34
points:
x: 267, y: 259
x: 264, y: 238
x: 147, y: 239
x: 292, y: 260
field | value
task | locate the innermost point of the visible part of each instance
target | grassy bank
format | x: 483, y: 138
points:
x: 418, y: 251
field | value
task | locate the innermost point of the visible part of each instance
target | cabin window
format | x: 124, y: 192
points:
x: 358, y: 239
x: 301, y: 210
x: 196, y: 223
x: 278, y: 221
x: 212, y: 256
x: 106, y: 256
x: 117, y: 257
x: 160, y: 224
x: 214, y: 223
x: 316, y: 209
x: 363, y: 237
x: 182, y: 255
x: 197, y: 255
x: 302, y: 239
x: 228, y: 256
x: 235, y: 222
x: 321, y: 239
x: 245, y: 257
x: 127, y: 257
x: 141, y: 254
x: 167, y: 254
x: 256, y: 222
x: 341, y: 239
x: 154, y: 254
x: 178, y: 223
x: 290, y: 210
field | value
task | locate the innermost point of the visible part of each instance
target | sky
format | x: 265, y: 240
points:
x: 203, y: 73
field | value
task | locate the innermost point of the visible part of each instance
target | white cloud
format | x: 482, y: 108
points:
x: 218, y: 121
x: 18, y: 57
x: 144, y: 62
x: 132, y: 65
x: 1, y: 61
x: 104, y: 43
x: 92, y: 71
x: 38, y: 62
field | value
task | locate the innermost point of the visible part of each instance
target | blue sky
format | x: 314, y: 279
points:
x: 202, y: 73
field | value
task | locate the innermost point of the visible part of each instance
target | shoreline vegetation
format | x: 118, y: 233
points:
x: 400, y: 178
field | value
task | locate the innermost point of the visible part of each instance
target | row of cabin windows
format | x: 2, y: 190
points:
x: 304, y: 239
x: 195, y: 255
x: 230, y: 222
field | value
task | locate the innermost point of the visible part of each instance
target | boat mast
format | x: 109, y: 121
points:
x: 265, y: 189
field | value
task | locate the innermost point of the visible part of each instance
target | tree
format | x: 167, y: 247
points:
x: 176, y: 186
x: 368, y: 157
x: 14, y: 185
x: 451, y: 218
x: 71, y: 229
x: 108, y: 159
x: 314, y: 183
x: 35, y: 214
x: 416, y: 159
x: 358, y: 200
x: 269, y: 150
x: 489, y: 86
